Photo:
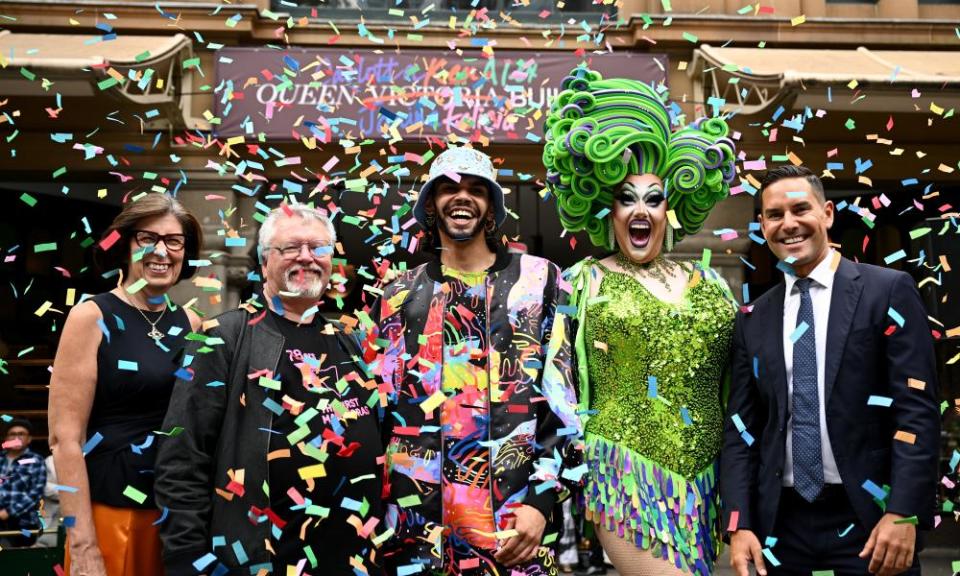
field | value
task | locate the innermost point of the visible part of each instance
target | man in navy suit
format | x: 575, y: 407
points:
x: 832, y: 434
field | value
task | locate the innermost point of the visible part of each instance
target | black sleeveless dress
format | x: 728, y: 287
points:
x: 135, y: 376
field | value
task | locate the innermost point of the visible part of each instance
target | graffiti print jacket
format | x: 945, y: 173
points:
x: 535, y: 436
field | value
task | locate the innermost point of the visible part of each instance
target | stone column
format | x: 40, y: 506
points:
x: 735, y: 213
x: 228, y: 264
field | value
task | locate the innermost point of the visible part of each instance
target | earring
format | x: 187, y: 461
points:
x: 611, y: 239
x: 668, y: 241
x: 491, y: 224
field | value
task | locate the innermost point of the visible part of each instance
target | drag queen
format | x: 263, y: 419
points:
x: 653, y: 334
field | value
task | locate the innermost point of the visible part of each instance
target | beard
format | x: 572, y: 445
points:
x: 459, y: 233
x: 305, y: 287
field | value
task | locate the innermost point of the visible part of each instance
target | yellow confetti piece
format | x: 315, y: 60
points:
x: 71, y: 296
x: 953, y: 332
x: 672, y: 218
x: 312, y: 471
x: 936, y: 109
x: 798, y: 20
x: 600, y: 345
x: 504, y: 534
x: 431, y: 403
x: 907, y: 437
x: 43, y: 308
x: 916, y: 384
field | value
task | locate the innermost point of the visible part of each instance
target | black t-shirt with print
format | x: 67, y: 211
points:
x: 334, y: 505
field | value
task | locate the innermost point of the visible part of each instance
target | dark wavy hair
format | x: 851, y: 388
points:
x: 134, y: 213
x: 600, y: 131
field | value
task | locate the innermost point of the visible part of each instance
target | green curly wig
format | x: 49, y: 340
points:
x: 591, y: 124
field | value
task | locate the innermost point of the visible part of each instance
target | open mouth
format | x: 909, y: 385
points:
x: 461, y: 215
x: 793, y: 240
x: 157, y: 267
x: 639, y: 233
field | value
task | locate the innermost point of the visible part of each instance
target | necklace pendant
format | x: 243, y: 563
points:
x: 155, y: 334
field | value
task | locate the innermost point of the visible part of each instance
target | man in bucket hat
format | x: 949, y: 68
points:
x: 474, y: 354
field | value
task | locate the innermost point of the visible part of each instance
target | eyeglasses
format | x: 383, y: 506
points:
x: 317, y: 249
x: 173, y: 242
x: 17, y: 434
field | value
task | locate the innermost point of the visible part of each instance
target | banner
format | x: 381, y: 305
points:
x: 329, y: 94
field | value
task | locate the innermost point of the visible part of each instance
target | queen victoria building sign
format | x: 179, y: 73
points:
x: 323, y: 95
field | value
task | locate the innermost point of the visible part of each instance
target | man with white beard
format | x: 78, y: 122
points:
x: 272, y: 457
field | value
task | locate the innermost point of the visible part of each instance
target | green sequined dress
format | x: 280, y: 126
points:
x: 653, y: 373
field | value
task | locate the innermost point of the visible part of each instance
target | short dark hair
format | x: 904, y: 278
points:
x: 153, y: 205
x: 790, y: 171
x: 21, y: 422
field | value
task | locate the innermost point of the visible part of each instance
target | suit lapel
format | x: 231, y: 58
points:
x: 847, y: 288
x: 772, y: 347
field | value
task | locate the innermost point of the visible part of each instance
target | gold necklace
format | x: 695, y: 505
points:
x: 153, y: 333
x: 659, y: 269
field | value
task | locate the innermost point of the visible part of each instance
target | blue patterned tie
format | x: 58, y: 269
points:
x: 807, y: 458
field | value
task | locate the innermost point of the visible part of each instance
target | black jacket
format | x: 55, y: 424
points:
x: 217, y: 424
x: 863, y: 360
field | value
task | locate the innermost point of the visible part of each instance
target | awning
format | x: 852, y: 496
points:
x: 146, y: 70
x: 753, y: 79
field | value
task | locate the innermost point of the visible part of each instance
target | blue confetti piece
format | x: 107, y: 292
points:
x: 846, y: 530
x: 218, y: 541
x: 874, y: 490
x: 898, y: 255
x: 184, y: 374
x: 685, y: 414
x: 651, y: 386
x: 138, y: 449
x: 799, y: 331
x: 215, y: 384
x: 408, y: 569
x: 567, y: 309
x: 768, y: 554
x: 104, y: 329
x: 200, y: 563
x: 756, y: 367
x: 351, y: 504
x: 884, y: 401
x: 92, y: 443
x: 895, y: 316
x: 239, y: 552
x: 738, y: 422
x: 955, y: 460
x: 69, y: 521
x: 770, y: 541
x: 68, y: 489
x: 747, y: 437
x: 119, y: 321
x: 127, y: 365
x: 163, y: 516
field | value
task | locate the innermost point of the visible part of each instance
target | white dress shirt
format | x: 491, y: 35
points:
x: 821, y: 291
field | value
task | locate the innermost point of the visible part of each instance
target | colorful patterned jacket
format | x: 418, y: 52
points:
x: 535, y: 433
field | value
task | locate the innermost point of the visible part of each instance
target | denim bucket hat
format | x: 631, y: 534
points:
x: 465, y: 162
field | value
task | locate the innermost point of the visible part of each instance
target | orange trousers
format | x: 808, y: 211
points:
x: 128, y: 541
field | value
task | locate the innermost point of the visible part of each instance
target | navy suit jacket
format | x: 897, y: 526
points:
x: 868, y: 354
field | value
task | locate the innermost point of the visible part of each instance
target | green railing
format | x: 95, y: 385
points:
x: 33, y: 561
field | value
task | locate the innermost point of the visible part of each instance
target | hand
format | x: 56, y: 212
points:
x: 891, y: 546
x: 4, y: 515
x: 85, y: 560
x: 744, y: 549
x: 522, y: 548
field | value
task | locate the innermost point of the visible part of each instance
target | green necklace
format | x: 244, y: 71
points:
x: 659, y: 269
